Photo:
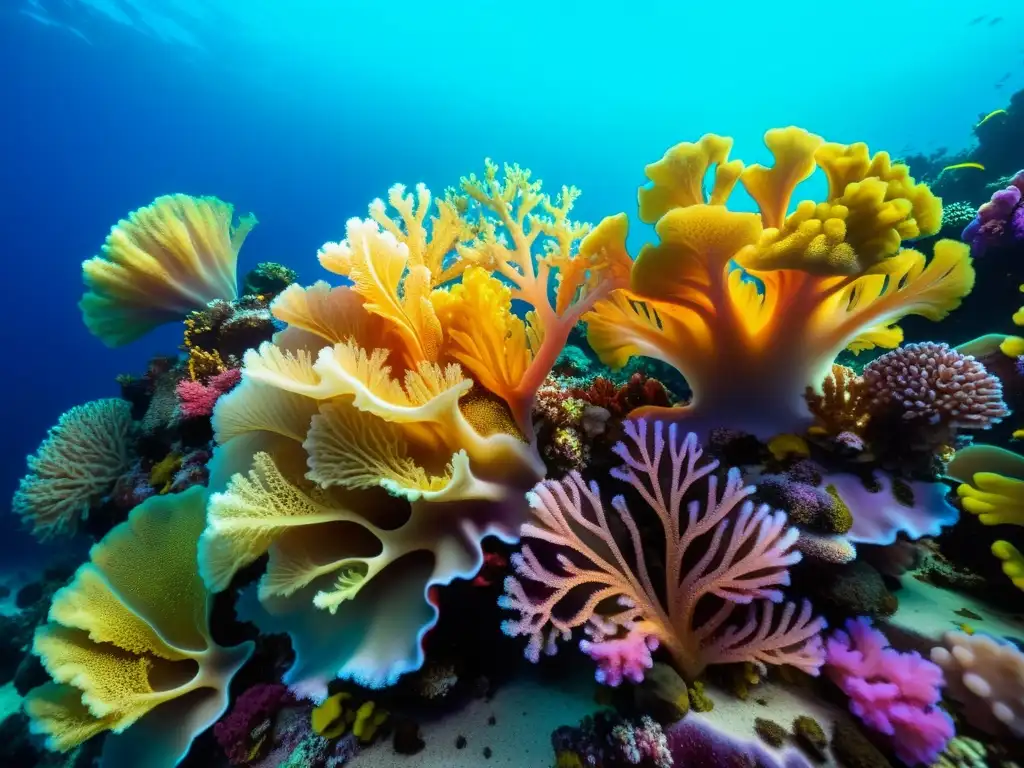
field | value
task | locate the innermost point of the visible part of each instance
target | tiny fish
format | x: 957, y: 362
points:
x: 967, y: 629
x: 972, y: 22
x: 995, y: 21
x: 967, y: 613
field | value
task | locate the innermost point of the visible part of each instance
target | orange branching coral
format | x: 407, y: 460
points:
x: 378, y: 439
x: 840, y: 406
x: 162, y: 262
x: 753, y: 308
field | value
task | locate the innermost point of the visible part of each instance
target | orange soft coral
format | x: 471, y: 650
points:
x: 165, y: 260
x: 753, y: 308
x: 382, y: 435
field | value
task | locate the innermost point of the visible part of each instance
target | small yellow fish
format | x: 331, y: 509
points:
x: 989, y: 116
x: 967, y: 629
x: 958, y: 166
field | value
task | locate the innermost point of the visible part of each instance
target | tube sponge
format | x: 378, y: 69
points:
x: 165, y: 260
x: 77, y: 463
x: 129, y: 636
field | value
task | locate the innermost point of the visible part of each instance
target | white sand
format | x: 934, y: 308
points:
x: 927, y: 612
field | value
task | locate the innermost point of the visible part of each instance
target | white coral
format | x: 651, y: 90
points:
x: 987, y: 677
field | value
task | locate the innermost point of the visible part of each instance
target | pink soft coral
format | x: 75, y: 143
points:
x: 196, y: 400
x: 719, y: 554
x: 894, y: 693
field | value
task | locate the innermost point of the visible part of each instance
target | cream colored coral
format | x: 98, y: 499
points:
x: 76, y: 465
x: 987, y: 677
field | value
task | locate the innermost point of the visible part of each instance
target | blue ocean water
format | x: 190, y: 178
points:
x: 304, y: 111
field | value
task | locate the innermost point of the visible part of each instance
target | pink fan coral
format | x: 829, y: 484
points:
x: 894, y: 693
x: 718, y: 555
x: 934, y: 383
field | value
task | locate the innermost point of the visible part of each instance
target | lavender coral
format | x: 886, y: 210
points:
x: 77, y: 464
x: 719, y: 554
x: 826, y: 276
x: 999, y: 223
x: 894, y: 693
x: 934, y: 384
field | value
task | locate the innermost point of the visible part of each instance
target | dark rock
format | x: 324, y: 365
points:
x: 29, y: 594
x: 407, y: 739
x: 460, y: 742
x: 4, y: 591
x: 487, y: 753
x: 492, y: 720
x: 15, y: 747
x: 853, y: 750
x: 30, y: 674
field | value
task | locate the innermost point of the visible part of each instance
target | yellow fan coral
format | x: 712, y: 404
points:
x: 128, y: 643
x: 992, y: 487
x: 77, y: 464
x: 386, y: 431
x: 753, y: 308
x: 165, y: 260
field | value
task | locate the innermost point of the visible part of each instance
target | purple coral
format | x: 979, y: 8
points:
x: 721, y: 552
x: 241, y: 731
x: 936, y: 385
x: 999, y: 223
x: 894, y: 693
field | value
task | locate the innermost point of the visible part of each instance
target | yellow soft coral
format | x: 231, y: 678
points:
x: 386, y: 431
x: 129, y: 634
x: 992, y: 487
x: 753, y: 308
x: 162, y: 262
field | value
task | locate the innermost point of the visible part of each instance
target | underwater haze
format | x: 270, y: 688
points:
x: 306, y: 469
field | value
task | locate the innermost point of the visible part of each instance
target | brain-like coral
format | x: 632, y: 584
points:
x: 165, y: 260
x: 936, y: 384
x: 128, y: 643
x: 75, y: 466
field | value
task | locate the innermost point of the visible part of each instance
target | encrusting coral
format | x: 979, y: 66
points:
x: 606, y: 587
x: 382, y: 435
x: 128, y: 643
x: 75, y: 466
x: 753, y: 308
x: 165, y: 260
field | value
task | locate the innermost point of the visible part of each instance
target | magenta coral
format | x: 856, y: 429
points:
x: 894, y: 693
x: 621, y: 658
x: 937, y: 384
x: 720, y: 553
x: 253, y: 708
x: 196, y: 400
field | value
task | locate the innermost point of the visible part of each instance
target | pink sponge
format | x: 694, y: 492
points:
x: 894, y: 693
x: 196, y: 399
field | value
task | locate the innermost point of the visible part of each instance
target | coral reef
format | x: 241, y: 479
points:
x: 999, y: 223
x: 129, y: 634
x: 162, y: 262
x: 76, y: 465
x: 751, y: 340
x: 986, y: 676
x: 896, y: 694
x: 747, y: 551
x: 606, y: 740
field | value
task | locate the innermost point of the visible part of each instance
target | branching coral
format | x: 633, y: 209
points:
x: 162, y: 262
x: 753, y: 308
x: 128, y: 643
x: 383, y: 432
x: 718, y: 555
x: 76, y: 465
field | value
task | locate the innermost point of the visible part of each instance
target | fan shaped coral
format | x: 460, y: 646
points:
x: 76, y: 465
x: 387, y: 429
x: 752, y: 308
x: 128, y: 643
x: 165, y: 260
x: 719, y: 555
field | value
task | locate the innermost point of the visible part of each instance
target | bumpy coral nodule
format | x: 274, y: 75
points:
x: 753, y: 308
